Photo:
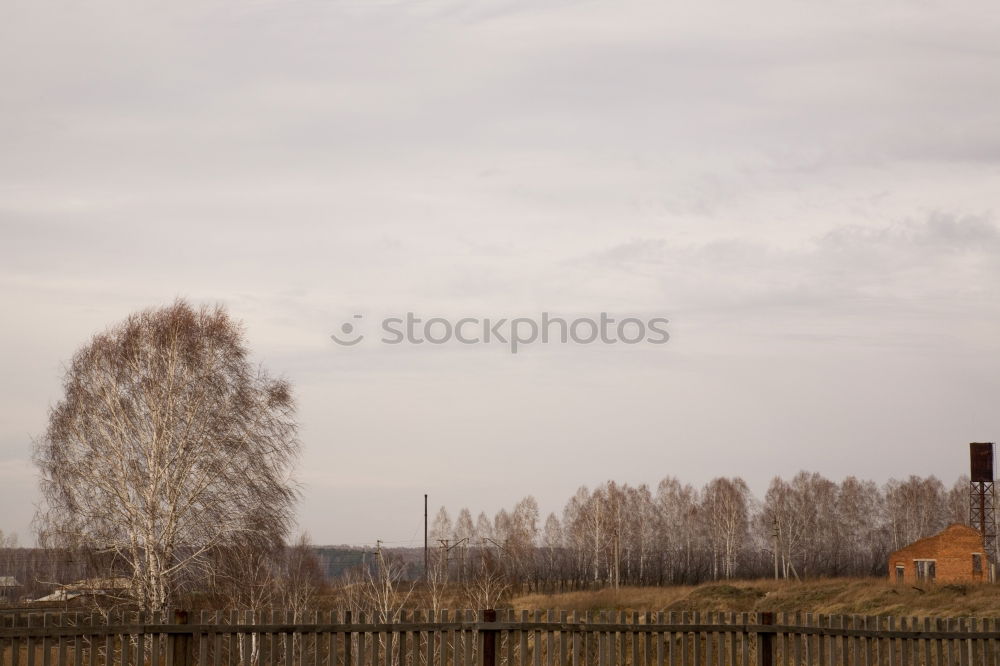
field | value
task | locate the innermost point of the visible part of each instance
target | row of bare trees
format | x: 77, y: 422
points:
x: 246, y: 578
x: 617, y: 534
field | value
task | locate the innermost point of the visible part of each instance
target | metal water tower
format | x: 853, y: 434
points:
x: 981, y: 512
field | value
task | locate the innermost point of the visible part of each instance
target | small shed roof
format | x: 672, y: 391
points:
x: 953, y: 530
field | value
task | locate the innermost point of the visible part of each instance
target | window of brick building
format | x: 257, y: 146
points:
x: 926, y: 570
x: 977, y: 563
x: 899, y: 573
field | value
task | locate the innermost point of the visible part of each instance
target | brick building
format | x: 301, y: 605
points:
x: 952, y: 556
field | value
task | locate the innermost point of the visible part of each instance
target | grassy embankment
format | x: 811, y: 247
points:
x: 834, y: 596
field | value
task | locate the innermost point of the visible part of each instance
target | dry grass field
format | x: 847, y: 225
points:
x: 865, y: 596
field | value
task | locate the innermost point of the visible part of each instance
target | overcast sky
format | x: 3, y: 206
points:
x: 807, y: 190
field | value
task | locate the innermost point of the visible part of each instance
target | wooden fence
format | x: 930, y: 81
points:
x: 494, y: 638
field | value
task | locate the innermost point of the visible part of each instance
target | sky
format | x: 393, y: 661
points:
x: 806, y: 190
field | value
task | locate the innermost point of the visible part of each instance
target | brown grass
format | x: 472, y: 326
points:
x: 866, y: 596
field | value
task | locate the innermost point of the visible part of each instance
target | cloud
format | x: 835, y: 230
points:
x: 938, y: 233
x: 903, y: 265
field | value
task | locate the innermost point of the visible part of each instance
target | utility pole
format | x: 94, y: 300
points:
x: 446, y: 547
x: 444, y: 553
x: 425, y: 537
x: 775, y: 535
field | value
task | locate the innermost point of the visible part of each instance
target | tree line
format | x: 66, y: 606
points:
x: 618, y: 534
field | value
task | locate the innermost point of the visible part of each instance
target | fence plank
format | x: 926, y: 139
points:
x: 683, y: 647
x: 811, y: 640
x: 447, y: 641
x: 745, y: 643
x: 695, y: 640
x: 991, y: 644
x: 719, y: 638
x: 950, y: 645
x: 15, y: 642
x: 564, y: 657
x: 550, y: 643
x: 939, y: 645
x: 46, y: 641
x: 577, y: 642
x: 658, y: 637
x: 609, y: 637
x: 384, y: 641
x: 926, y: 643
x: 733, y: 639
x: 869, y: 658
x: 963, y: 626
x: 797, y: 640
x: 30, y: 643
x: 975, y: 653
x: 621, y: 641
x: 914, y: 625
x: 332, y: 638
x: 728, y: 638
x: 600, y: 640
x: 61, y: 653
x: 709, y: 640
x: 430, y: 637
x: 634, y: 647
x: 783, y: 643
x: 361, y: 641
x: 317, y: 642
x: 880, y: 643
x: 994, y: 645
x: 140, y: 642
x: 404, y: 640
x: 471, y: 653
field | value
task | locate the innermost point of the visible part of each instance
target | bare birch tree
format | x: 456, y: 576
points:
x: 465, y: 532
x: 677, y: 505
x: 384, y: 589
x: 484, y: 528
x: 916, y: 508
x: 167, y: 444
x: 488, y: 584
x: 437, y: 578
x: 726, y: 505
x: 299, y: 580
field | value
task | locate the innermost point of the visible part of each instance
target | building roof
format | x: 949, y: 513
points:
x: 59, y: 595
x: 88, y: 586
x: 953, y: 530
x: 98, y: 584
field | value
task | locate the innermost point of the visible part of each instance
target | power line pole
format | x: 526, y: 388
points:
x: 444, y: 553
x: 446, y: 548
x: 425, y: 537
x: 776, y: 543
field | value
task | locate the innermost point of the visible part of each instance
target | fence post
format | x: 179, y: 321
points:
x: 765, y: 641
x: 489, y: 639
x: 181, y: 642
x: 349, y: 640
